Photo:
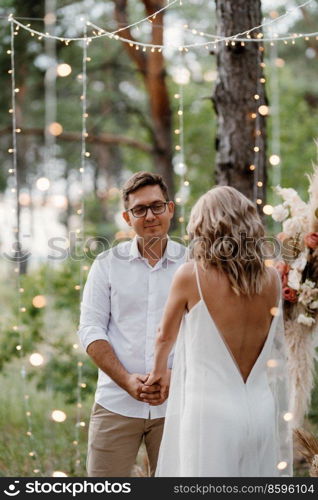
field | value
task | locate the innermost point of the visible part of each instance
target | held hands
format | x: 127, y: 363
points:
x: 135, y: 386
x: 154, y: 393
x: 161, y: 378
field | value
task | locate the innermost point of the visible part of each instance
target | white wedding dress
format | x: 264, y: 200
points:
x: 217, y: 425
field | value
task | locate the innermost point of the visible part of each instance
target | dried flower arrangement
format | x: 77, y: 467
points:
x: 298, y: 268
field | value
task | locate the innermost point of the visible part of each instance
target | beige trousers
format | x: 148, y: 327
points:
x: 114, y: 441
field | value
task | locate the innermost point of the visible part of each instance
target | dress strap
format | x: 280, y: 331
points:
x: 198, y: 279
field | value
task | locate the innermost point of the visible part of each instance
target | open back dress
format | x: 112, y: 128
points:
x: 217, y: 425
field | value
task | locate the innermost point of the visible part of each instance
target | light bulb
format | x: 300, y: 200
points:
x: 63, y: 69
x: 36, y: 359
x: 58, y: 416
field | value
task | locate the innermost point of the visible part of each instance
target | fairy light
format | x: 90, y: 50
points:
x: 181, y: 167
x: 101, y: 31
x: 263, y: 110
x: 274, y: 158
x: 58, y: 416
x: 55, y: 129
x: 43, y: 184
x: 268, y: 209
x: 80, y: 212
x: 288, y: 417
x: 39, y: 301
x: 272, y: 363
x: 59, y: 473
x: 18, y: 247
x: 36, y: 359
x: 236, y: 38
x: 282, y: 465
x: 257, y: 181
x: 63, y: 70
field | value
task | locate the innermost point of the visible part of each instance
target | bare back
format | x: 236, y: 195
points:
x: 242, y: 322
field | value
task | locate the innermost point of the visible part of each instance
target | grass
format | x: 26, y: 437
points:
x: 52, y: 442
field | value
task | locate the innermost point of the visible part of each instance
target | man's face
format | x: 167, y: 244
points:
x: 150, y: 226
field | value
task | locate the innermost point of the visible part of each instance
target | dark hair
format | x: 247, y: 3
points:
x: 141, y: 179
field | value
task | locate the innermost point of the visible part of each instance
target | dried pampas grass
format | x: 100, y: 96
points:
x: 308, y: 447
x: 301, y: 356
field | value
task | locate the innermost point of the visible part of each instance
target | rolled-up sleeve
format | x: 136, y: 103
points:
x: 95, y: 306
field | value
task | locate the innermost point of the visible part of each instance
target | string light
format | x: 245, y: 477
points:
x: 36, y: 359
x: 282, y: 465
x: 55, y: 129
x: 18, y: 248
x: 263, y: 110
x: 268, y: 209
x: 257, y: 181
x: 43, y: 184
x: 63, y: 70
x: 180, y: 167
x: 80, y: 212
x: 39, y: 301
x: 58, y: 416
x: 216, y: 39
x: 274, y: 158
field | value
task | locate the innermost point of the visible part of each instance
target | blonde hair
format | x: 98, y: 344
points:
x: 224, y: 230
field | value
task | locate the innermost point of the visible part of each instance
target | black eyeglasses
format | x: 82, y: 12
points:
x: 157, y: 208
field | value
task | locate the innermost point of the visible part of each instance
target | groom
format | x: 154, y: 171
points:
x: 123, y: 301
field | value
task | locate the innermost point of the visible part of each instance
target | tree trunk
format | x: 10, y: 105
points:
x: 152, y: 68
x: 238, y: 94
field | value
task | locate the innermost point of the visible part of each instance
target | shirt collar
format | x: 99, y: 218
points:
x: 172, y: 252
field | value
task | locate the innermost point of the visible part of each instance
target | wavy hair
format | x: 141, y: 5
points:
x: 225, y: 230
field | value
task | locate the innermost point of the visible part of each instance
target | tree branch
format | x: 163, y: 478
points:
x: 95, y: 139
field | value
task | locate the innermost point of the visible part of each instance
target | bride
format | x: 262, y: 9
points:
x: 227, y: 412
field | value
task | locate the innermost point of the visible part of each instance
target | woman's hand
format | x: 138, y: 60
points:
x: 153, y: 378
x: 161, y: 378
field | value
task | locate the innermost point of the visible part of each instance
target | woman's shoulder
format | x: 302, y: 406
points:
x: 185, y: 272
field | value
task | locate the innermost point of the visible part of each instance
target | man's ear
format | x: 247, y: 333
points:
x: 171, y: 207
x: 126, y: 217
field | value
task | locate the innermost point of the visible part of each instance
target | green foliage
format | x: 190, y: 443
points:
x: 30, y: 321
x: 49, y: 330
x: 52, y: 442
x: 313, y: 413
x: 60, y: 374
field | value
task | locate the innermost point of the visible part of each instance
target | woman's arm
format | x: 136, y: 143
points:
x: 169, y: 327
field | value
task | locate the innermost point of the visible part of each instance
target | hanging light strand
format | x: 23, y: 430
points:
x: 181, y: 142
x: 18, y: 252
x: 275, y: 156
x: 80, y: 231
x: 259, y: 140
x: 237, y: 38
x: 104, y: 32
x: 266, y: 24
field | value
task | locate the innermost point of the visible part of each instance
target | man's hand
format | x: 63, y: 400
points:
x: 135, y: 387
x: 134, y: 384
x: 155, y: 394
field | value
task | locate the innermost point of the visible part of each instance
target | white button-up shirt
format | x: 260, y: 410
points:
x: 123, y: 301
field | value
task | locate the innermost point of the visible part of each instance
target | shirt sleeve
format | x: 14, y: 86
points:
x: 95, y: 305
